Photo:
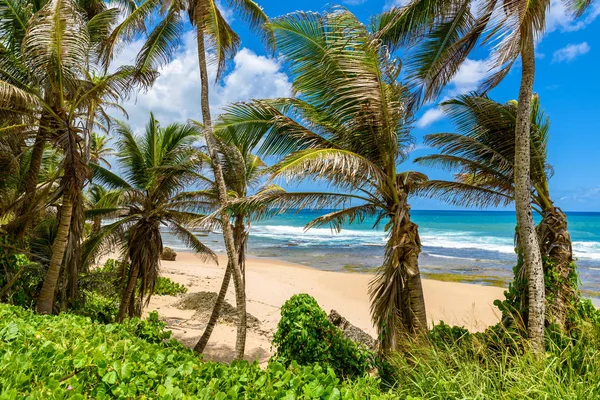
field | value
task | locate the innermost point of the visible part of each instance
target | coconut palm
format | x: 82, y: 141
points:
x: 100, y: 198
x: 213, y: 34
x: 99, y: 149
x: 212, y: 28
x: 347, y: 126
x: 442, y: 34
x: 482, y: 155
x: 156, y: 168
x: 243, y: 172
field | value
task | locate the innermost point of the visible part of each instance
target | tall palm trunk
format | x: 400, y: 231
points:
x: 127, y: 300
x: 240, y: 295
x: 555, y: 246
x: 33, y: 173
x: 239, y: 235
x: 527, y: 236
x: 398, y: 304
x: 46, y: 298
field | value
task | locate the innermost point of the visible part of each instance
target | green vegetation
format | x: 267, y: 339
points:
x: 166, y: 287
x: 69, y: 356
x: 305, y: 335
x: 347, y: 123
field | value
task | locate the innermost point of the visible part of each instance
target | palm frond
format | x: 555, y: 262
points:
x: 192, y: 241
x: 337, y: 219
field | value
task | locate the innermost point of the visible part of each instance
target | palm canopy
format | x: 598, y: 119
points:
x: 163, y: 39
x: 155, y: 169
x: 348, y: 125
x: 438, y: 35
x: 482, y: 153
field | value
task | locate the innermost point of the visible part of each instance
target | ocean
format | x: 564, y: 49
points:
x: 477, y: 244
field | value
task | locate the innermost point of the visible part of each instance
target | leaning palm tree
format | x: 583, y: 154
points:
x: 211, y: 27
x: 243, y: 172
x: 156, y: 168
x: 442, y: 33
x: 482, y: 155
x: 348, y: 126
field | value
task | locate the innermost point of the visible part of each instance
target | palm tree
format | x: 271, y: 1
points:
x: 482, y: 155
x: 211, y: 27
x: 444, y: 33
x: 348, y: 126
x: 99, y: 149
x: 243, y: 172
x: 156, y: 168
x: 100, y: 198
x: 212, y: 30
x: 15, y: 20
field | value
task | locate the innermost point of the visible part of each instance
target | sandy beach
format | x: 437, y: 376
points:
x: 271, y: 282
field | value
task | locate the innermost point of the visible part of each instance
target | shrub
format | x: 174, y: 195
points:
x: 98, y: 307
x: 445, y: 335
x: 305, y: 335
x: 20, y: 279
x: 69, y: 356
x: 150, y: 329
x: 166, y: 287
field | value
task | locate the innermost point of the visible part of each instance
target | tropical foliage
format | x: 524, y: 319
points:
x: 70, y: 356
x: 76, y: 184
x: 156, y: 169
x: 348, y: 126
x: 482, y: 156
x: 442, y: 34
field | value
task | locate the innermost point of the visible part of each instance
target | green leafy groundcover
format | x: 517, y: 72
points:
x: 68, y: 356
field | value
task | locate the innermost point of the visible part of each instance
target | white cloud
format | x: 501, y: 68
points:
x: 429, y: 117
x: 468, y: 78
x: 175, y: 96
x: 570, y: 52
x: 560, y: 19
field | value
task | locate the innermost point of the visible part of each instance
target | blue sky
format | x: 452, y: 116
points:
x: 567, y: 82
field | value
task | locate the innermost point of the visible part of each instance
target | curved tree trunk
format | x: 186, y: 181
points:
x: 527, y: 235
x: 46, y: 298
x: 33, y: 173
x: 240, y: 295
x: 216, y: 312
x: 555, y: 246
x: 239, y: 236
x: 127, y: 300
x: 397, y: 301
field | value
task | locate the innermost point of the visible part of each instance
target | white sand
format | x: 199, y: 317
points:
x: 271, y: 282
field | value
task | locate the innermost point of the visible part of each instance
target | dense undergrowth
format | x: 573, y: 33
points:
x: 70, y: 356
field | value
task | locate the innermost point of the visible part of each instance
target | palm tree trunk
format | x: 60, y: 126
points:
x: 240, y: 295
x: 127, y: 301
x: 216, y: 312
x: 46, y: 298
x: 239, y: 236
x: 555, y: 245
x: 33, y: 174
x: 397, y: 301
x: 526, y: 227
x: 415, y: 308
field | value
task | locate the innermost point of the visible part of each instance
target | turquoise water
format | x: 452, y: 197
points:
x: 460, y: 242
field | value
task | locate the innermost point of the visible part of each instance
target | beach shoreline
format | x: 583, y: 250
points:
x: 270, y: 282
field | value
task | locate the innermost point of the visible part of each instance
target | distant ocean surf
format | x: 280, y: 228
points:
x: 478, y: 244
